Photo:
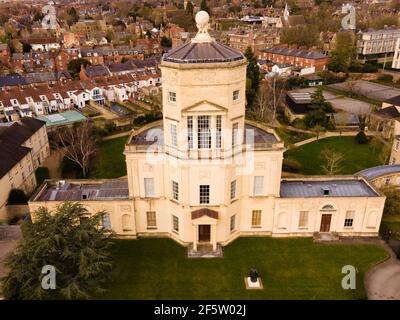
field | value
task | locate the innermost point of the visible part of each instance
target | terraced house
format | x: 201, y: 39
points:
x: 204, y: 175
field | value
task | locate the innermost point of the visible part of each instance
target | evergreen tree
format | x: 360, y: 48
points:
x: 204, y: 6
x: 189, y: 9
x: 253, y: 76
x: 71, y: 240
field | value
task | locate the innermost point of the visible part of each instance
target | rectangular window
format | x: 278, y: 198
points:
x: 256, y: 218
x: 236, y: 95
x: 149, y: 187
x: 175, y: 223
x: 303, y: 219
x: 106, y: 221
x: 204, y: 194
x: 174, y: 138
x: 190, y: 131
x: 175, y: 190
x: 233, y: 189
x: 235, y: 129
x: 348, y: 222
x: 203, y: 132
x: 218, y: 132
x: 232, y: 224
x: 258, y: 186
x: 172, y: 96
x: 151, y: 220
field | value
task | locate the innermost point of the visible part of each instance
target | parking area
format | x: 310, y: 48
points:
x: 369, y: 89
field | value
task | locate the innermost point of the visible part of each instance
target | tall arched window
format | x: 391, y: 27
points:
x: 126, y: 222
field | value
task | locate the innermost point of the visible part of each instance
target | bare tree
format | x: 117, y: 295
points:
x: 269, y: 97
x: 77, y: 144
x: 332, y: 161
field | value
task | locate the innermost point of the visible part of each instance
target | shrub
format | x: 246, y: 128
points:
x: 291, y: 165
x: 17, y: 196
x: 361, y: 138
x: 385, y: 78
x: 41, y: 174
x: 299, y: 124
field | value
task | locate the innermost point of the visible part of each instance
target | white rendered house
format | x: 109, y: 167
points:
x: 205, y: 175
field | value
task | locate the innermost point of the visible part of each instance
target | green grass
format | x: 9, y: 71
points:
x: 356, y: 156
x: 290, y: 269
x: 110, y: 162
x: 291, y: 137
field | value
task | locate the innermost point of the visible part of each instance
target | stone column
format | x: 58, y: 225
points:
x: 214, y: 237
x: 195, y: 238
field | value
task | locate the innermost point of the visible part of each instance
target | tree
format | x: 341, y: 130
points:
x: 72, y: 17
x: 204, y: 6
x: 269, y: 97
x: 74, y: 66
x: 189, y: 8
x: 252, y: 75
x: 392, y: 203
x: 71, y: 240
x: 344, y: 53
x: 307, y: 36
x: 17, y: 196
x: 166, y: 42
x: 78, y: 144
x: 332, y: 161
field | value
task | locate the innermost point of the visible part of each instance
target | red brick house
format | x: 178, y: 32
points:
x: 297, y: 57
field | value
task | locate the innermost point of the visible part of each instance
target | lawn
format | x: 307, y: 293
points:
x: 291, y: 137
x: 290, y: 269
x: 356, y: 156
x: 110, y: 162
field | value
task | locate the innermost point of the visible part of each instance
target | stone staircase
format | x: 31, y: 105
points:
x: 205, y: 251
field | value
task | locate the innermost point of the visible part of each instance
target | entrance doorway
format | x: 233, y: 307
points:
x: 326, y: 222
x: 204, y: 233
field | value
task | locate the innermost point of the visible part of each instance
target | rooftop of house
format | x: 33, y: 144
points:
x: 78, y: 190
x: 394, y: 101
x: 293, y: 52
x: 379, y: 171
x: 63, y: 118
x: 12, y: 136
x: 325, y: 187
x: 388, y: 113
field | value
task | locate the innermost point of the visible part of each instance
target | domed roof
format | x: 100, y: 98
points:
x: 205, y: 52
x: 203, y: 48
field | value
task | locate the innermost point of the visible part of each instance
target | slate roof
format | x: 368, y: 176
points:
x: 315, y: 188
x: 87, y: 190
x: 295, y: 52
x: 388, y: 112
x: 98, y: 70
x: 208, y: 52
x: 379, y: 171
x: 11, y: 139
x: 394, y: 100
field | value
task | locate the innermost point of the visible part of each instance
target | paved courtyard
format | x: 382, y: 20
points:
x: 340, y: 102
x: 369, y: 89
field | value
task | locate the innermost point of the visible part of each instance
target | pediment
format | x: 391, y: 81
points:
x: 205, y: 106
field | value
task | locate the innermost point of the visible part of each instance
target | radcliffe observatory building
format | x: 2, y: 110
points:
x: 204, y: 175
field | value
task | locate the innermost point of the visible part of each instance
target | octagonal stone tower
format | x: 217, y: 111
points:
x: 197, y: 174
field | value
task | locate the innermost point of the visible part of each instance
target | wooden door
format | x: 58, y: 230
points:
x: 326, y: 222
x: 204, y: 233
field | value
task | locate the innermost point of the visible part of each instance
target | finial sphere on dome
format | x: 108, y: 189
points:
x: 202, y: 18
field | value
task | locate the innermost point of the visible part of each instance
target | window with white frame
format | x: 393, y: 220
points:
x: 233, y: 189
x: 235, y: 95
x: 203, y: 132
x: 258, y: 189
x: 218, y: 132
x: 190, y: 131
x: 175, y: 223
x: 151, y: 220
x: 175, y: 190
x: 348, y: 221
x: 204, y: 194
x: 172, y: 96
x: 149, y: 187
x: 174, y: 138
x: 232, y: 223
x: 256, y: 218
x: 303, y: 219
x: 106, y: 221
x: 235, y: 128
